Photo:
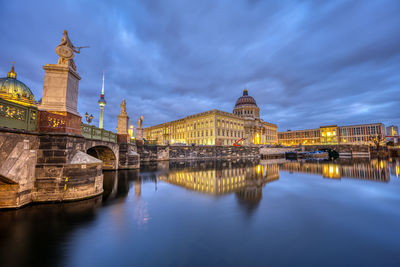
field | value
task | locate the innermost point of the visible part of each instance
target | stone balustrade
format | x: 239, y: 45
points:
x: 16, y: 116
x: 92, y: 132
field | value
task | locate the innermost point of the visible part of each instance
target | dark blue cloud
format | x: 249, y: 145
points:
x: 307, y: 63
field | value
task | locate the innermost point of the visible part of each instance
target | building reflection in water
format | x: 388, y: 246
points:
x: 216, y: 178
x: 373, y: 170
x: 219, y: 179
x: 394, y: 164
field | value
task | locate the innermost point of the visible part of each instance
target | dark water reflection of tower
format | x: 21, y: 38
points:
x: 138, y: 188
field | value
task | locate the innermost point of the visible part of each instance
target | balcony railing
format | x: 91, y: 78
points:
x: 92, y: 132
x: 17, y: 116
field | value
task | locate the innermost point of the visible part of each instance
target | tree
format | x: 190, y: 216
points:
x: 376, y: 139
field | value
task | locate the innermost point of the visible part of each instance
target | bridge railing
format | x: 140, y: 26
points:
x: 17, y: 116
x: 92, y: 132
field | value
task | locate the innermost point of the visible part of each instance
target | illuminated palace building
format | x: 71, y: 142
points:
x: 332, y: 135
x: 217, y: 127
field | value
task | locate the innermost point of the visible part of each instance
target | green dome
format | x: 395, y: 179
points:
x: 15, y: 91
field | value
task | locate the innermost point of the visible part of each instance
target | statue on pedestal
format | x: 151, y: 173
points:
x: 123, y: 107
x: 140, y: 122
x: 139, y: 130
x: 65, y: 50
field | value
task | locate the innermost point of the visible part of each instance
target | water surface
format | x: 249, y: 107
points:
x: 219, y: 213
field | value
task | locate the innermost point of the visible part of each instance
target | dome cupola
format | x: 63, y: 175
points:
x: 246, y: 106
x: 15, y: 91
x: 245, y: 100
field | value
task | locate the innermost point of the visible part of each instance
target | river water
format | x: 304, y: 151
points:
x: 220, y: 213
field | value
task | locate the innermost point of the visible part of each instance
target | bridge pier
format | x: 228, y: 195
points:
x: 45, y: 167
x: 64, y: 171
x: 17, y: 168
x: 128, y: 157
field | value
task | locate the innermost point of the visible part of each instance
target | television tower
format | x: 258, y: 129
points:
x: 101, y: 103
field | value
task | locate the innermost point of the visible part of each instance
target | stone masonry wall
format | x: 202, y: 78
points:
x: 212, y: 152
x: 128, y: 157
x: 64, y: 171
x: 154, y: 153
x: 17, y: 167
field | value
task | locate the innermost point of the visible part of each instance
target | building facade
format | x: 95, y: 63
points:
x: 217, y: 127
x: 257, y: 131
x: 392, y: 130
x: 363, y: 134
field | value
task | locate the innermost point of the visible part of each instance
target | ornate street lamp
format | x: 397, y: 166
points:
x: 88, y: 118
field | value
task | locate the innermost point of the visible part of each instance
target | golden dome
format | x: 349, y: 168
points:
x: 15, y: 91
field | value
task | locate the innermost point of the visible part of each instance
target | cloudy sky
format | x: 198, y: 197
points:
x: 307, y: 63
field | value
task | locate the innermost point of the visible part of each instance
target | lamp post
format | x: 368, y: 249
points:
x: 88, y: 118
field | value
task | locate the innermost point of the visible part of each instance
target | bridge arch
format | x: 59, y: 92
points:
x: 105, y: 154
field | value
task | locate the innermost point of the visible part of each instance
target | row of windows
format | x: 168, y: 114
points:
x: 299, y: 134
x: 230, y: 124
x: 231, y: 133
x: 242, y: 112
x: 201, y: 133
x: 365, y: 130
x: 203, y: 124
x: 355, y: 139
x: 200, y: 125
x: 210, y: 141
x: 206, y: 133
x: 344, y: 131
x: 201, y: 141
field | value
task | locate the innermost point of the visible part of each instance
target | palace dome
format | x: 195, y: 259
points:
x: 15, y: 91
x: 245, y: 100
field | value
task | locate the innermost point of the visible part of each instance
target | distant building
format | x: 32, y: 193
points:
x: 392, y: 130
x: 392, y: 134
x: 217, y: 127
x: 333, y: 135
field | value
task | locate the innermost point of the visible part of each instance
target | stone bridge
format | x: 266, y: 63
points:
x: 46, y: 153
x: 41, y: 167
x: 107, y: 152
x: 113, y: 155
x: 103, y: 145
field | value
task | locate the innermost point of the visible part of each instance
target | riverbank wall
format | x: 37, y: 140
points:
x: 160, y: 153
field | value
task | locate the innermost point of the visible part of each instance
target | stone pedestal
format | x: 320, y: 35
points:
x: 139, y: 134
x: 59, y: 122
x: 123, y: 139
x: 122, y: 128
x: 58, y: 110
